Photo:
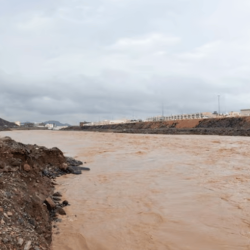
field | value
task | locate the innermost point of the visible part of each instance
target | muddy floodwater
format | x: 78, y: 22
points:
x: 152, y: 192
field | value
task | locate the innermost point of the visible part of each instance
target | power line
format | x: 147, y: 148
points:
x: 219, y: 104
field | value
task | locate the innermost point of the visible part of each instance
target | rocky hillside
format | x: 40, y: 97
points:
x: 6, y: 124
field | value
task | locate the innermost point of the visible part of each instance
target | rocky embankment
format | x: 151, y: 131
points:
x: 28, y: 202
x: 235, y: 126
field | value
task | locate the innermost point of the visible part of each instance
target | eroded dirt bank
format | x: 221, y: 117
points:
x: 28, y: 204
x: 235, y: 126
x: 153, y: 191
x: 25, y: 219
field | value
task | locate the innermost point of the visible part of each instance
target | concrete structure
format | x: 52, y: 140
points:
x: 245, y: 112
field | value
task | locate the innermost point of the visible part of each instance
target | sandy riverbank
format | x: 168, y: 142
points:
x: 152, y: 191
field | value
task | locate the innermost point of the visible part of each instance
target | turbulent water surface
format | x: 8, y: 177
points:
x: 155, y: 192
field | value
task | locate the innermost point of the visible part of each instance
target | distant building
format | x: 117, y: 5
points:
x: 234, y: 114
x: 104, y: 122
x: 119, y: 121
x: 49, y: 126
x: 28, y: 125
x: 40, y: 125
x: 84, y: 123
x: 245, y: 112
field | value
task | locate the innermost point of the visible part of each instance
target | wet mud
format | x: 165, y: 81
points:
x: 169, y: 192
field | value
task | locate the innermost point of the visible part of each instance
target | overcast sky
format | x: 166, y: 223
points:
x: 75, y: 60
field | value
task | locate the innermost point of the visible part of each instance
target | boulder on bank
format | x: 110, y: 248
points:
x: 72, y: 162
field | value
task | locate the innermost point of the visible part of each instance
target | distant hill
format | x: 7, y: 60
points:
x: 4, y: 123
x: 57, y: 123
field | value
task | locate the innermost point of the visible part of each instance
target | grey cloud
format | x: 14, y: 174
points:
x: 76, y: 60
x: 97, y: 98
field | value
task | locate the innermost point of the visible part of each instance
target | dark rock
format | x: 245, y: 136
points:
x: 60, y: 211
x: 72, y: 162
x: 65, y: 203
x: 57, y: 194
x: 27, y: 151
x: 74, y: 170
x: 84, y: 168
x: 8, y: 195
x: 2, y: 165
x: 32, y: 222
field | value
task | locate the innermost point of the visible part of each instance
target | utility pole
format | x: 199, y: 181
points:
x: 162, y: 112
x: 219, y: 104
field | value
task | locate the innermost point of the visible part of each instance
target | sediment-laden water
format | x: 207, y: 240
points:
x: 155, y: 192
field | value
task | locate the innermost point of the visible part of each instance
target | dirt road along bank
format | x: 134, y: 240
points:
x: 219, y: 126
x: 153, y: 192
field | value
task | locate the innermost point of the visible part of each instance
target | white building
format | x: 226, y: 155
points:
x: 49, y: 126
x: 245, y: 112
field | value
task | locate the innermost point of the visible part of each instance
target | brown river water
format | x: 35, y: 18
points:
x: 152, y: 192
